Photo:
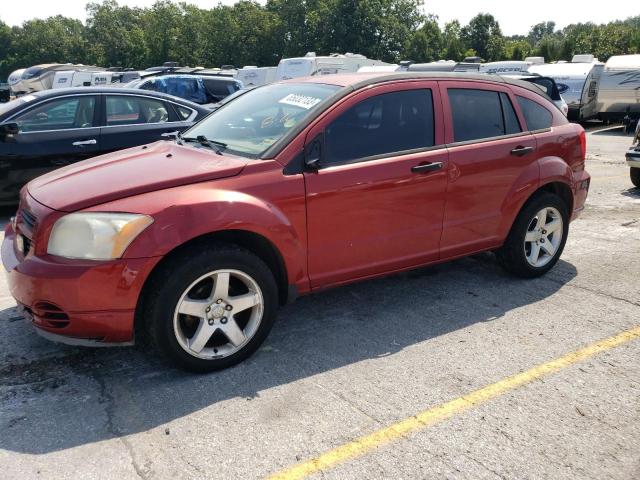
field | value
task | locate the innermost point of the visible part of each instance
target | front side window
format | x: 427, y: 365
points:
x: 126, y: 110
x: 477, y: 114
x: 61, y: 114
x: 383, y: 124
x: 253, y: 122
x: 536, y: 116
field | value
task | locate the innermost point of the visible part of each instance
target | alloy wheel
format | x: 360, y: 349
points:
x: 543, y: 237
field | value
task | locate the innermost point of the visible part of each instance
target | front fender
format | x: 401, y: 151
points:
x: 184, y: 214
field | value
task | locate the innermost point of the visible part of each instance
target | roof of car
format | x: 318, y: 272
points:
x: 59, y: 92
x: 355, y: 81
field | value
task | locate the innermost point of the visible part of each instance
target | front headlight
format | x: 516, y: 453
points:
x: 95, y: 235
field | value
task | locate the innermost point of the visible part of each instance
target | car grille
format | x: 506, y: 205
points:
x: 28, y: 218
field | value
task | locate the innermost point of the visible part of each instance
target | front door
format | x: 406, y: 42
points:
x: 376, y: 201
x: 51, y: 134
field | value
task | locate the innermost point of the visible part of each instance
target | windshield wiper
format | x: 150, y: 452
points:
x: 204, y: 141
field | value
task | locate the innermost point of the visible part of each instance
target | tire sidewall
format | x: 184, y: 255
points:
x: 175, y: 280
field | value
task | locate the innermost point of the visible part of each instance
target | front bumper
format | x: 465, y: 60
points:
x: 633, y: 157
x: 89, y: 302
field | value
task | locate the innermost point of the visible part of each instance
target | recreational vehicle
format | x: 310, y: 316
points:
x: 256, y: 76
x: 310, y: 64
x: 40, y: 77
x: 577, y: 82
x: 15, y: 82
x: 505, y: 68
x: 619, y: 92
x: 82, y: 78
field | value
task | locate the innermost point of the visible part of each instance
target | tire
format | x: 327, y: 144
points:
x: 517, y: 253
x: 634, y: 173
x: 188, y: 283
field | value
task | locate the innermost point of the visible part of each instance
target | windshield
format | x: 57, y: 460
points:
x: 256, y: 120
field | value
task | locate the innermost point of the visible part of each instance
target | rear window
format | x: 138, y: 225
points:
x: 479, y: 114
x: 536, y: 116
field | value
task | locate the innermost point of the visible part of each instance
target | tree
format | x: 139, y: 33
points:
x: 479, y: 31
x: 539, y: 30
x: 454, y: 48
x: 426, y: 43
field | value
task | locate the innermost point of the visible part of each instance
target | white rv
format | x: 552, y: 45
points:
x: 83, y: 78
x: 41, y: 77
x: 505, y: 68
x: 577, y: 83
x: 619, y: 92
x: 256, y: 76
x: 310, y: 64
x: 15, y: 82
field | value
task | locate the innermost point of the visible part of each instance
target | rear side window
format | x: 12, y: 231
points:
x: 125, y: 110
x: 536, y: 116
x: 476, y: 114
x: 380, y: 125
x: 511, y: 123
x: 183, y: 112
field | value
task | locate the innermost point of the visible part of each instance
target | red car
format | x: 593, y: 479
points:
x: 294, y: 187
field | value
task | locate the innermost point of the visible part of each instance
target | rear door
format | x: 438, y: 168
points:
x: 491, y: 157
x: 52, y: 134
x: 375, y: 204
x: 131, y: 120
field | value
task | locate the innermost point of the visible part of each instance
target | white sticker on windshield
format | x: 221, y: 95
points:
x: 302, y: 101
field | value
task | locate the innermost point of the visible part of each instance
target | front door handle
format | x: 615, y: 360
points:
x: 426, y: 167
x: 81, y: 143
x: 519, y: 151
x: 170, y: 134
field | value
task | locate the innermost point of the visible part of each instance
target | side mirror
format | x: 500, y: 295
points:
x: 8, y: 130
x: 313, y: 154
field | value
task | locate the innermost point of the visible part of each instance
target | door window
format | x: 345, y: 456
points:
x: 479, y: 114
x: 536, y: 116
x: 60, y: 114
x: 125, y: 110
x: 380, y: 125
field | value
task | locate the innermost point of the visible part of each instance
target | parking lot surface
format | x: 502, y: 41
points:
x: 346, y: 363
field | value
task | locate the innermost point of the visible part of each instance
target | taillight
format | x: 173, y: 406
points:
x: 583, y: 144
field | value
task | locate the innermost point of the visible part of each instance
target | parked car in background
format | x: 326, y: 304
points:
x: 291, y: 188
x: 548, y: 86
x: 46, y: 130
x: 195, y: 88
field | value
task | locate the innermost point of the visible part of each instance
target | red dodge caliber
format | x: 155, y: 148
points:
x: 293, y: 187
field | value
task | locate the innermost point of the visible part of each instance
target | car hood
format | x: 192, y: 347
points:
x: 130, y: 172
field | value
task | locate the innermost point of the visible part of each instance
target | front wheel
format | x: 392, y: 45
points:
x: 211, y: 310
x: 635, y: 176
x: 537, y: 237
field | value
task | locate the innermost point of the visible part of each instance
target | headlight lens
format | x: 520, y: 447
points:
x: 95, y: 235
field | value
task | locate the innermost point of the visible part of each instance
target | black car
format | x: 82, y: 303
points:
x: 46, y: 130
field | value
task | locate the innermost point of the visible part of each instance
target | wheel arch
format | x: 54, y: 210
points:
x: 251, y: 241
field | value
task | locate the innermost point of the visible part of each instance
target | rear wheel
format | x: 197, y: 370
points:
x: 537, y: 237
x: 211, y: 310
x: 635, y: 176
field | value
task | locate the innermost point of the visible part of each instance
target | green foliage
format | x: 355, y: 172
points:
x: 248, y: 33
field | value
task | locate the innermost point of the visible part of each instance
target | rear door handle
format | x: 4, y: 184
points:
x: 81, y: 143
x: 426, y: 167
x: 519, y: 151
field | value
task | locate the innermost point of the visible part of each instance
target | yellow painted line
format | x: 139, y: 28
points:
x: 434, y: 415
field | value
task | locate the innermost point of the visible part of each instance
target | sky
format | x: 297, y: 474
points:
x: 513, y: 20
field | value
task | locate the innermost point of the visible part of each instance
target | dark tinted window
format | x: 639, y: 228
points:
x: 220, y: 88
x: 511, y: 124
x: 388, y: 123
x: 536, y: 116
x: 476, y: 114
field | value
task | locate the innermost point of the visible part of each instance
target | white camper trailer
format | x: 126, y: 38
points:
x: 256, y: 76
x: 505, y: 68
x: 41, y: 77
x: 82, y: 78
x: 15, y: 82
x: 577, y: 82
x: 310, y: 64
x: 619, y: 92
